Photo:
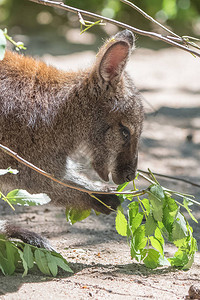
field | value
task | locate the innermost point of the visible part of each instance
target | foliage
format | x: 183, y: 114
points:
x: 150, y: 222
x: 15, y: 255
x: 22, y: 197
x: 153, y: 220
x: 18, y: 255
x: 3, y: 37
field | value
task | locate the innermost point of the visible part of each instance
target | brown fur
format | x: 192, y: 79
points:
x: 46, y: 114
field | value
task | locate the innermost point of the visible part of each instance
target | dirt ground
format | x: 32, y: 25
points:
x: 170, y: 144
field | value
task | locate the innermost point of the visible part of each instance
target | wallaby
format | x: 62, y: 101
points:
x: 46, y: 114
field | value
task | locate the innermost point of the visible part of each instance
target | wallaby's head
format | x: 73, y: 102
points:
x: 117, y: 112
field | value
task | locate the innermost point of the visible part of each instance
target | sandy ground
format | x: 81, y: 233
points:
x: 170, y: 144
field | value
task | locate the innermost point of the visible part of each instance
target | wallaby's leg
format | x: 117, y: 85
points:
x: 12, y: 231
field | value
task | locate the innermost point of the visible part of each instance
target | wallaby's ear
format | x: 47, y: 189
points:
x: 112, y: 57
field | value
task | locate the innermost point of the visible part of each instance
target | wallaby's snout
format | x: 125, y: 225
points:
x: 131, y: 171
x: 125, y: 168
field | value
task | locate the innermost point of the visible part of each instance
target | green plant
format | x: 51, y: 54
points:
x: 15, y: 255
x: 3, y: 37
x: 150, y: 222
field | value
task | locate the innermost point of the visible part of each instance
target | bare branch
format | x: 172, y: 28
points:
x: 120, y: 24
x: 150, y: 18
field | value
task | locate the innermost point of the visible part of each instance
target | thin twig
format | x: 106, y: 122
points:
x: 42, y: 172
x: 172, y: 178
x: 170, y: 191
x: 120, y: 24
x: 4, y: 198
x: 71, y: 186
x: 178, y: 38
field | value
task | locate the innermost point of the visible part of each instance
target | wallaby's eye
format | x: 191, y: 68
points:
x: 125, y: 132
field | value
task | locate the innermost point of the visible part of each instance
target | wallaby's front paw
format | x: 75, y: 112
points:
x: 110, y: 200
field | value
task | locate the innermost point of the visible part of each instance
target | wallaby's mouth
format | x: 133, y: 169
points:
x: 123, y: 177
x: 103, y: 174
x: 116, y: 179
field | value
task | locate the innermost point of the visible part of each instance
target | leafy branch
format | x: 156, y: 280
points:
x: 173, y: 39
x: 42, y: 172
x: 3, y: 37
x: 119, y: 191
x: 150, y: 222
x: 18, y: 45
x: 16, y: 255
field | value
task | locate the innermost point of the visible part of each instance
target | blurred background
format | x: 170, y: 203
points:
x: 57, y: 32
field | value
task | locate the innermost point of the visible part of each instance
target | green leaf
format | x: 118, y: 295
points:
x: 22, y: 197
x: 28, y: 256
x: 121, y: 223
x: 150, y: 225
x: 9, y: 170
x: 52, y: 264
x: 140, y: 238
x: 179, y: 243
x: 61, y: 262
x: 121, y: 187
x: 156, y: 198
x: 135, y: 222
x: 41, y: 261
x: 7, y: 257
x: 4, y: 265
x: 24, y: 263
x: 180, y: 259
x: 2, y: 44
x: 193, y: 246
x: 152, y: 259
x: 156, y: 244
x: 158, y: 236
x: 185, y: 204
x: 10, y: 251
x: 74, y: 215
x: 171, y: 204
x: 133, y: 209
x: 146, y: 205
x: 168, y: 220
x: 188, y: 265
x: 157, y: 191
x: 179, y: 230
